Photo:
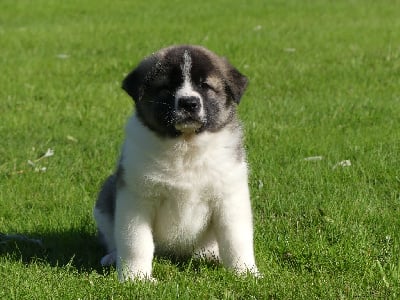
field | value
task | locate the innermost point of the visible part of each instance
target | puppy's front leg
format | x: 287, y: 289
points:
x: 234, y: 229
x: 133, y: 237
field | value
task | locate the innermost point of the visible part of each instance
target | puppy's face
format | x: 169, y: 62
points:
x: 185, y: 90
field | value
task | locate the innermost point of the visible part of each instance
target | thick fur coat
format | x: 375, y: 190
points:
x: 181, y: 184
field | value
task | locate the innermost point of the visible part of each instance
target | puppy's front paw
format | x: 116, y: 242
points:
x: 252, y: 271
x: 136, y: 277
x: 133, y: 273
x: 257, y: 274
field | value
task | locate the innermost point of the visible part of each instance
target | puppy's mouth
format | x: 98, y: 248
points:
x: 188, y: 127
x: 188, y: 124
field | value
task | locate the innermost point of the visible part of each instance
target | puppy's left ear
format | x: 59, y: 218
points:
x: 135, y: 82
x: 236, y: 83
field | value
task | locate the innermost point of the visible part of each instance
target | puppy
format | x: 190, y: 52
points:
x: 181, y: 185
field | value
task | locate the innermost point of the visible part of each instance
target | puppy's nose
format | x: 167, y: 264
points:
x: 190, y: 104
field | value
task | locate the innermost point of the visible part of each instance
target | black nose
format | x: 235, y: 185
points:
x: 190, y: 104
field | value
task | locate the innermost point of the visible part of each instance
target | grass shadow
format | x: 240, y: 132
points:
x: 81, y: 250
x: 76, y: 248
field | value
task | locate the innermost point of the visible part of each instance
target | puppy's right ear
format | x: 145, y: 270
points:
x: 135, y: 82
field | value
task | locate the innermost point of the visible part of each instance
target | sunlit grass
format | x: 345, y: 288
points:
x: 324, y: 82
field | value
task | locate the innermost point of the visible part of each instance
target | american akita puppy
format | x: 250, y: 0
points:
x: 181, y: 185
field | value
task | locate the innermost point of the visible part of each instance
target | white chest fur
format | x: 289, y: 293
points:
x: 181, y: 180
x: 179, y: 225
x: 182, y: 196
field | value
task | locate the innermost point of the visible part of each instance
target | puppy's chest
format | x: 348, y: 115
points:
x: 186, y: 192
x: 180, y: 222
x: 184, y: 184
x: 184, y: 175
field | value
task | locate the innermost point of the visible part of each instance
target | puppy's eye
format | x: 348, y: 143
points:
x: 207, y: 86
x: 163, y: 89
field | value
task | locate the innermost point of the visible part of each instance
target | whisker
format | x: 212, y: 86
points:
x: 160, y: 102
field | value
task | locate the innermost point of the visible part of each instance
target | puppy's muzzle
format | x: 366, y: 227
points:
x: 189, y: 114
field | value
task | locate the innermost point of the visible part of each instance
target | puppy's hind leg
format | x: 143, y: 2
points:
x: 109, y: 259
x: 104, y: 216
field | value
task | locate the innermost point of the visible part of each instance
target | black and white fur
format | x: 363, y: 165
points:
x: 181, y: 183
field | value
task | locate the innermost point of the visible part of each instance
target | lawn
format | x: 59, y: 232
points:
x: 322, y: 122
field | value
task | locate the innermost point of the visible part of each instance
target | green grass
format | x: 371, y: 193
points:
x: 324, y: 81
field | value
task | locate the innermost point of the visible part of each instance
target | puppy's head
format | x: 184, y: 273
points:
x: 185, y: 90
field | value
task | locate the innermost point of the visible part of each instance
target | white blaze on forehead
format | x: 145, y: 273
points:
x: 186, y: 89
x: 187, y: 66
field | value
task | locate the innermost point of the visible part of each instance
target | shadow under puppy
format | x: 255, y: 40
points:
x: 181, y: 186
